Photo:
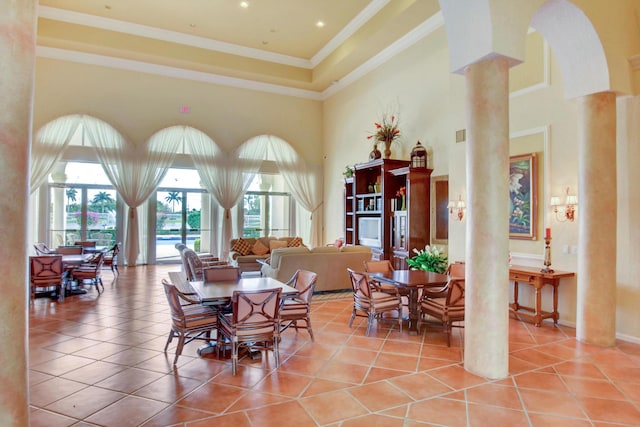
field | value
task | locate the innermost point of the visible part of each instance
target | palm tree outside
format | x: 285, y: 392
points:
x: 173, y: 198
x: 102, y: 198
x: 71, y: 194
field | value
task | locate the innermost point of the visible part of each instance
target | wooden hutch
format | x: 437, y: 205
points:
x: 374, y: 215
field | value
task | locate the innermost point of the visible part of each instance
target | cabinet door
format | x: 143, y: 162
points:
x: 399, y: 261
x: 399, y: 231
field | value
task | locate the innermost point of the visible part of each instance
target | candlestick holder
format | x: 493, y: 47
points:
x: 547, y: 256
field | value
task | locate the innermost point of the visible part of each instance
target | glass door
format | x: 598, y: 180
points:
x: 178, y: 220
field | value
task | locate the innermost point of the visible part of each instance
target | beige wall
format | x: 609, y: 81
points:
x: 138, y: 105
x: 430, y: 102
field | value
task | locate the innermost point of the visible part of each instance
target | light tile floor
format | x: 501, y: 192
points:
x: 98, y: 360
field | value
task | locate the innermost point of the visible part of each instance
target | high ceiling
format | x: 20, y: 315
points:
x: 275, y: 42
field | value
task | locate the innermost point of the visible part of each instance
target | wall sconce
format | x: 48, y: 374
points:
x: 456, y: 208
x: 565, y: 211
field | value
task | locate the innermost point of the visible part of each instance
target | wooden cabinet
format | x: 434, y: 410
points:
x: 373, y: 209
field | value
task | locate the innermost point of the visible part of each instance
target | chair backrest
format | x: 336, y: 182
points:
x: 456, y: 270
x: 94, y: 263
x: 69, y: 250
x: 42, y: 249
x: 383, y: 266
x: 304, y: 281
x: 45, y: 270
x: 222, y: 273
x: 86, y: 243
x: 455, y: 300
x: 193, y: 264
x: 177, y: 314
x: 360, y: 284
x: 256, y: 310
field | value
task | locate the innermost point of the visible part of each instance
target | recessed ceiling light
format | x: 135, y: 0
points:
x: 319, y: 24
x: 192, y: 25
x: 244, y: 4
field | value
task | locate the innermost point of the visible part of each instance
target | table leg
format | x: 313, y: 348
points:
x: 413, y: 310
x: 556, y: 315
x: 516, y: 306
x: 538, y: 308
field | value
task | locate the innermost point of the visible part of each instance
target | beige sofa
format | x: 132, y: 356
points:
x: 329, y: 263
x: 250, y: 262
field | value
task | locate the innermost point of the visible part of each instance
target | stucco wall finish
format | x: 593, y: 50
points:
x: 486, y: 320
x: 17, y: 56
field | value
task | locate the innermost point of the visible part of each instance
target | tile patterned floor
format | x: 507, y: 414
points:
x: 98, y: 360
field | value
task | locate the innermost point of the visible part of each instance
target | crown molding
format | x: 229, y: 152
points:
x: 421, y: 31
x: 168, y: 36
x: 356, y: 23
x: 163, y: 70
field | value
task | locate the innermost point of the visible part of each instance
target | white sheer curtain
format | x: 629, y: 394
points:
x: 135, y: 171
x: 226, y: 176
x: 303, y: 179
x: 48, y: 146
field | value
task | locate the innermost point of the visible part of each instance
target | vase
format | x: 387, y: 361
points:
x: 375, y: 153
x: 387, y: 149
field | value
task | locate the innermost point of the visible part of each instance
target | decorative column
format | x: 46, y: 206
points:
x: 17, y: 56
x: 486, y: 335
x: 596, y: 216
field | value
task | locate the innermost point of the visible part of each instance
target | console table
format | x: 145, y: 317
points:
x: 532, y: 276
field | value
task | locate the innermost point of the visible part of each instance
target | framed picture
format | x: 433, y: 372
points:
x: 522, y: 196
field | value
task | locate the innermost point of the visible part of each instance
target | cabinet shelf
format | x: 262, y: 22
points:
x: 388, y: 177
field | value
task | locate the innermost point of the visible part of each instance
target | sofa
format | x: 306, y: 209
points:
x: 328, y: 262
x: 247, y: 260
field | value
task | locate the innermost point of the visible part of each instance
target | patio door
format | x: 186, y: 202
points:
x: 178, y: 220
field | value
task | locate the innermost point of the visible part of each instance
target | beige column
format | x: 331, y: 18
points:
x: 17, y: 56
x: 486, y: 334
x: 596, y: 216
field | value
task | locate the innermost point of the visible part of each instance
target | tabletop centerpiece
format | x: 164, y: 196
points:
x: 429, y: 259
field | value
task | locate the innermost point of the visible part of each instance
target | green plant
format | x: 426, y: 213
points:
x: 348, y: 171
x: 429, y: 259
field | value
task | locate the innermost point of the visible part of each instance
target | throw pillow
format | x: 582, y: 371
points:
x: 242, y: 247
x: 259, y: 248
x: 275, y: 244
x: 295, y: 242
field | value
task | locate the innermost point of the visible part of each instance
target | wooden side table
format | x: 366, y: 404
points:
x: 532, y: 276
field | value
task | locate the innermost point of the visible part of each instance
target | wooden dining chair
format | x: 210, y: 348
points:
x: 385, y: 266
x: 85, y: 243
x: 194, y: 264
x: 444, y: 313
x: 371, y: 302
x: 70, y: 250
x: 42, y: 249
x: 253, y: 322
x: 111, y: 258
x: 188, y: 322
x: 46, y: 272
x: 221, y: 273
x: 298, y: 308
x: 90, y: 271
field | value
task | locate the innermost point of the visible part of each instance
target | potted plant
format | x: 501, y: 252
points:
x: 429, y: 259
x: 348, y: 171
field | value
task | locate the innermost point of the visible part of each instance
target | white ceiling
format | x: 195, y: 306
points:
x: 274, y: 42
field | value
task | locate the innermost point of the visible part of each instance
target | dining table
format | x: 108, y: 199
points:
x: 413, y: 281
x: 219, y: 293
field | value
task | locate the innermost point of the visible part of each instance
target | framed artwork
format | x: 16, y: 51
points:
x: 522, y: 196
